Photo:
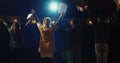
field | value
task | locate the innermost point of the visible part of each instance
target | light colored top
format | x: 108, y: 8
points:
x: 47, y: 43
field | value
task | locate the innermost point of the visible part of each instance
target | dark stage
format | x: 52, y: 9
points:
x: 84, y: 33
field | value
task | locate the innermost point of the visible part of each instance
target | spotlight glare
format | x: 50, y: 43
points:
x: 53, y: 6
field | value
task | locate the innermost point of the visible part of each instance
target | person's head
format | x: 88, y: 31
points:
x: 47, y: 21
x: 16, y: 25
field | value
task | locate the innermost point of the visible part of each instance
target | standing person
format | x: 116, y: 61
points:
x: 4, y: 41
x: 115, y: 18
x: 15, y: 32
x: 16, y: 42
x: 74, y: 41
x: 102, y: 39
x: 115, y: 34
x: 47, y: 43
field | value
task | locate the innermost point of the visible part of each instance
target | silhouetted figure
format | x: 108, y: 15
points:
x: 4, y: 43
x: 115, y: 35
x: 47, y: 43
x: 74, y: 41
x: 16, y: 43
x: 102, y: 29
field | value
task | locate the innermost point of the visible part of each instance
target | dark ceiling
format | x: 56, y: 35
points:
x: 22, y: 7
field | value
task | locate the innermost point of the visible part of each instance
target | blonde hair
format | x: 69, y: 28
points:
x: 48, y: 19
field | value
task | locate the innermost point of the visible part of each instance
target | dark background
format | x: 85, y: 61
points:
x: 29, y: 54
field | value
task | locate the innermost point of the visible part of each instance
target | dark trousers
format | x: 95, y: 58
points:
x: 16, y: 55
x: 76, y: 54
x: 47, y: 60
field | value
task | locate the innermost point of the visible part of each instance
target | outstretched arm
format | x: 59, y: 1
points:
x: 38, y: 24
x: 36, y: 20
x: 32, y: 17
x: 5, y: 24
x: 58, y: 21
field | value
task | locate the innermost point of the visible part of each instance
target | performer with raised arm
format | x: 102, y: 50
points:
x: 14, y: 31
x: 16, y: 42
x: 47, y: 43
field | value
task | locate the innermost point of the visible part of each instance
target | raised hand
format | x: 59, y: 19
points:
x: 33, y: 11
x: 3, y: 21
x: 30, y: 17
x: 35, y: 17
x: 31, y: 14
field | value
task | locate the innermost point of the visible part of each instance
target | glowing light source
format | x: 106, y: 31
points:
x: 54, y: 6
x: 89, y: 21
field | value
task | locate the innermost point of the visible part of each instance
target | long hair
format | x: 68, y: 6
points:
x: 48, y: 20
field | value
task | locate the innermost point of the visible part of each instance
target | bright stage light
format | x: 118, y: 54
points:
x: 54, y: 6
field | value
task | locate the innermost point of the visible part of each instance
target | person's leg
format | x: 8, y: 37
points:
x: 19, y: 55
x: 105, y: 54
x: 79, y: 54
x: 14, y: 55
x: 47, y: 60
x: 43, y: 60
x: 101, y: 51
x: 50, y: 60
x: 11, y: 54
x: 76, y: 54
x: 98, y: 53
x: 98, y: 57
